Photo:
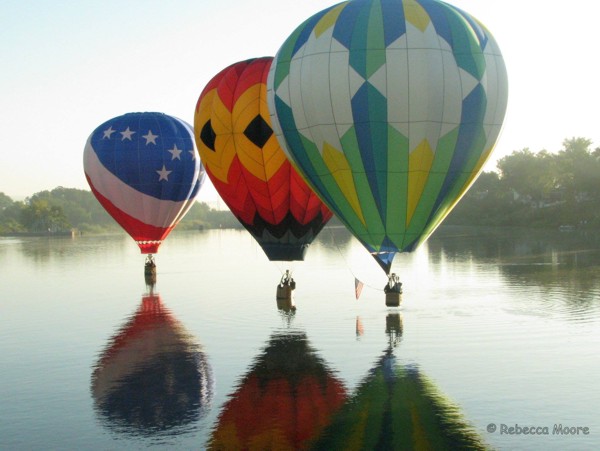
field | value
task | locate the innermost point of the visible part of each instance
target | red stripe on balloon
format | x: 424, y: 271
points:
x: 148, y: 237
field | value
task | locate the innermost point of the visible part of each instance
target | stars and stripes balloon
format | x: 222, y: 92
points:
x: 389, y: 108
x: 144, y: 170
x: 247, y: 166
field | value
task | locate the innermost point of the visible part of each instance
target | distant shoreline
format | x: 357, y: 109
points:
x: 69, y: 233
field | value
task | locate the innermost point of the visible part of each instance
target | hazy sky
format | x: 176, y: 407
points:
x: 69, y: 65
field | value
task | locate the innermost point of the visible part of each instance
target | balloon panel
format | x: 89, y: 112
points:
x: 143, y: 168
x: 247, y: 166
x: 389, y: 109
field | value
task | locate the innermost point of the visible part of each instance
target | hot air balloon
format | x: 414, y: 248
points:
x: 144, y: 170
x: 248, y: 167
x: 389, y: 109
x: 152, y: 378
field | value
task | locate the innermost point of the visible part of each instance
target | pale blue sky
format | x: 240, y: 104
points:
x: 68, y: 66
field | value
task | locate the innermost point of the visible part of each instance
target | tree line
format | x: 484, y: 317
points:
x: 542, y: 189
x: 64, y: 209
x: 534, y: 189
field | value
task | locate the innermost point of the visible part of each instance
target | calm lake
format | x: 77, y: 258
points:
x: 495, y: 344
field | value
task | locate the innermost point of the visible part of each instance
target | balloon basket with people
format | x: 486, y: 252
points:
x: 286, y: 287
x: 150, y: 270
x: 393, y: 291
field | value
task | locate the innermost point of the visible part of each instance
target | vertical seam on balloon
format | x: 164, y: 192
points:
x: 262, y: 80
x: 231, y: 128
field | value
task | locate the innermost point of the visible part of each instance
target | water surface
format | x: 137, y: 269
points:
x: 497, y: 329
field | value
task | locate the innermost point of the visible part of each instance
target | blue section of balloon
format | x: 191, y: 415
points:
x: 148, y: 152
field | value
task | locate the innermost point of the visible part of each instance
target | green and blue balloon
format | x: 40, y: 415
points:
x: 389, y: 109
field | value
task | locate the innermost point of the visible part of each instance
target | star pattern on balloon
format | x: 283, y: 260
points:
x: 127, y: 134
x: 175, y: 152
x: 163, y: 174
x: 150, y: 137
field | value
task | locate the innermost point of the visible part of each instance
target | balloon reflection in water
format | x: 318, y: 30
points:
x: 287, y: 398
x: 152, y: 378
x: 396, y: 407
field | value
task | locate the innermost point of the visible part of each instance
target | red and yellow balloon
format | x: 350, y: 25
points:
x: 247, y: 166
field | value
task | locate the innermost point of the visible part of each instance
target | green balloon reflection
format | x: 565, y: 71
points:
x: 397, y: 408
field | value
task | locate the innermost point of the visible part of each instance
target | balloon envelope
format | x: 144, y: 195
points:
x: 247, y: 166
x: 389, y: 108
x: 144, y: 170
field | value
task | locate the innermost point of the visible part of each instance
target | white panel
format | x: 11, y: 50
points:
x: 496, y: 89
x: 295, y: 91
x: 316, y: 98
x: 452, y: 94
x: 340, y: 76
x: 397, y: 79
x: 426, y: 95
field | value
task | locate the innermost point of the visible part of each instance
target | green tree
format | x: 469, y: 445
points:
x: 486, y: 203
x: 5, y: 201
x: 39, y: 216
x: 10, y: 218
x: 579, y: 181
x: 531, y: 177
x: 580, y: 169
x: 80, y: 207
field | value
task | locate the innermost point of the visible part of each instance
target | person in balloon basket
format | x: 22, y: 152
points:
x: 394, y: 285
x: 287, y: 279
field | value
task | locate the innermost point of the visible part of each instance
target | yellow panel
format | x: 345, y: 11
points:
x: 245, y: 110
x: 329, y: 19
x: 224, y: 146
x: 416, y: 15
x: 261, y: 162
x: 218, y: 161
x: 419, y: 164
x: 340, y: 169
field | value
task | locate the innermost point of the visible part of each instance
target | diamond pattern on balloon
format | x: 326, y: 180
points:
x: 258, y: 131
x: 208, y: 135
